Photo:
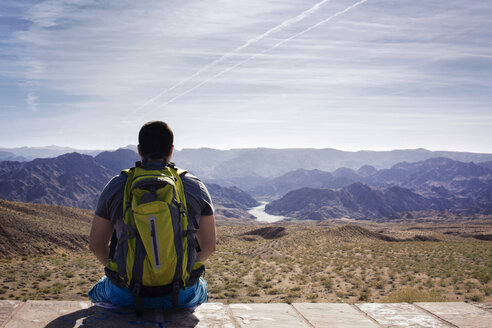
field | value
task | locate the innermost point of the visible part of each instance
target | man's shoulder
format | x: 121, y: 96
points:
x: 116, y: 183
x: 189, y: 177
x: 197, y: 196
x: 192, y: 183
x: 111, y: 197
x: 118, y: 179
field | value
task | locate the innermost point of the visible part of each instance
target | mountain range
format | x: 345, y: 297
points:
x: 77, y: 180
x: 358, y: 201
x: 367, y: 191
x: 438, y: 184
x: 433, y: 176
x: 234, y: 164
x: 246, y: 168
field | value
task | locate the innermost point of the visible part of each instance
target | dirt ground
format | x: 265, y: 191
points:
x: 339, y: 261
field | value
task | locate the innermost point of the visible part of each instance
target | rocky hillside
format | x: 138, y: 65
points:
x: 231, y: 197
x: 73, y: 180
x: 231, y: 202
x: 356, y: 201
x: 36, y: 229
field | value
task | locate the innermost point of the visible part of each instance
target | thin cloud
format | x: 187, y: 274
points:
x: 261, y: 53
x: 32, y: 102
x: 76, y: 60
x: 275, y: 29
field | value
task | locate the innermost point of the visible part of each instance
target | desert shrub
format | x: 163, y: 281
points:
x: 364, y: 296
x: 327, y: 283
x: 287, y: 300
x: 44, y: 275
x: 475, y: 298
x: 252, y: 291
x: 378, y: 284
x: 274, y: 291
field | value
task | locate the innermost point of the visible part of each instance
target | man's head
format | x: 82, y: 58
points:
x: 155, y: 141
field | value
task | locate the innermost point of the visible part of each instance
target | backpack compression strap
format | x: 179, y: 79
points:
x: 114, y: 238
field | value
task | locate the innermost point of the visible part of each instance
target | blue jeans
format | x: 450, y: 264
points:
x: 105, y: 291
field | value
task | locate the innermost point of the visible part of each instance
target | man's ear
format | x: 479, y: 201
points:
x: 139, y: 152
x: 170, y: 154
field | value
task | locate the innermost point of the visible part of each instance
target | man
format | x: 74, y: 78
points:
x: 155, y: 148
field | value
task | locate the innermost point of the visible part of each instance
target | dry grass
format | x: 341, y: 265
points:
x: 61, y: 276
x: 304, y: 263
x: 351, y: 264
x: 411, y: 295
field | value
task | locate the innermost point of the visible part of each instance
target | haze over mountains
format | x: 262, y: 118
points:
x: 207, y: 162
x: 361, y: 185
x: 24, y: 154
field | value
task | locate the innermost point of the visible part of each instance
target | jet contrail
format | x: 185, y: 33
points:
x: 261, y: 53
x: 282, y: 25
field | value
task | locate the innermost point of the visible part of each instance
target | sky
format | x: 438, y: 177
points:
x: 344, y: 74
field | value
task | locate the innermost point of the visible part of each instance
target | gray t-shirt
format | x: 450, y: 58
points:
x: 198, y: 201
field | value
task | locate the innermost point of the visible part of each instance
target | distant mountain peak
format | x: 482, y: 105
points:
x: 117, y: 160
x: 366, y: 170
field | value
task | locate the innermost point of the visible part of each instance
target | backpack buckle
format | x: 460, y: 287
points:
x: 136, y: 289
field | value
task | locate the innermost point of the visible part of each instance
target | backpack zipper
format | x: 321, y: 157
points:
x: 155, y: 243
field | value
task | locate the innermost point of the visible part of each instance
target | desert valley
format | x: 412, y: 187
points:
x: 399, y: 226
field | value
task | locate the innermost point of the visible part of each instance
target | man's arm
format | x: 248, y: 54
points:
x: 101, y: 232
x: 206, y: 237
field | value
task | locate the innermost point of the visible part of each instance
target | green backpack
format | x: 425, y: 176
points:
x: 155, y: 253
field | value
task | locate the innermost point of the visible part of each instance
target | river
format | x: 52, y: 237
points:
x: 262, y: 216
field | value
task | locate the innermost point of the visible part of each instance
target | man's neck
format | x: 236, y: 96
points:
x: 154, y: 160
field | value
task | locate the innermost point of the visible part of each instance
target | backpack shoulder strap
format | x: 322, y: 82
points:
x: 181, y: 171
x: 177, y: 169
x: 176, y: 172
x: 129, y: 171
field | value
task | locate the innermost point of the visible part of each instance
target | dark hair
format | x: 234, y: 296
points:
x: 155, y: 140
